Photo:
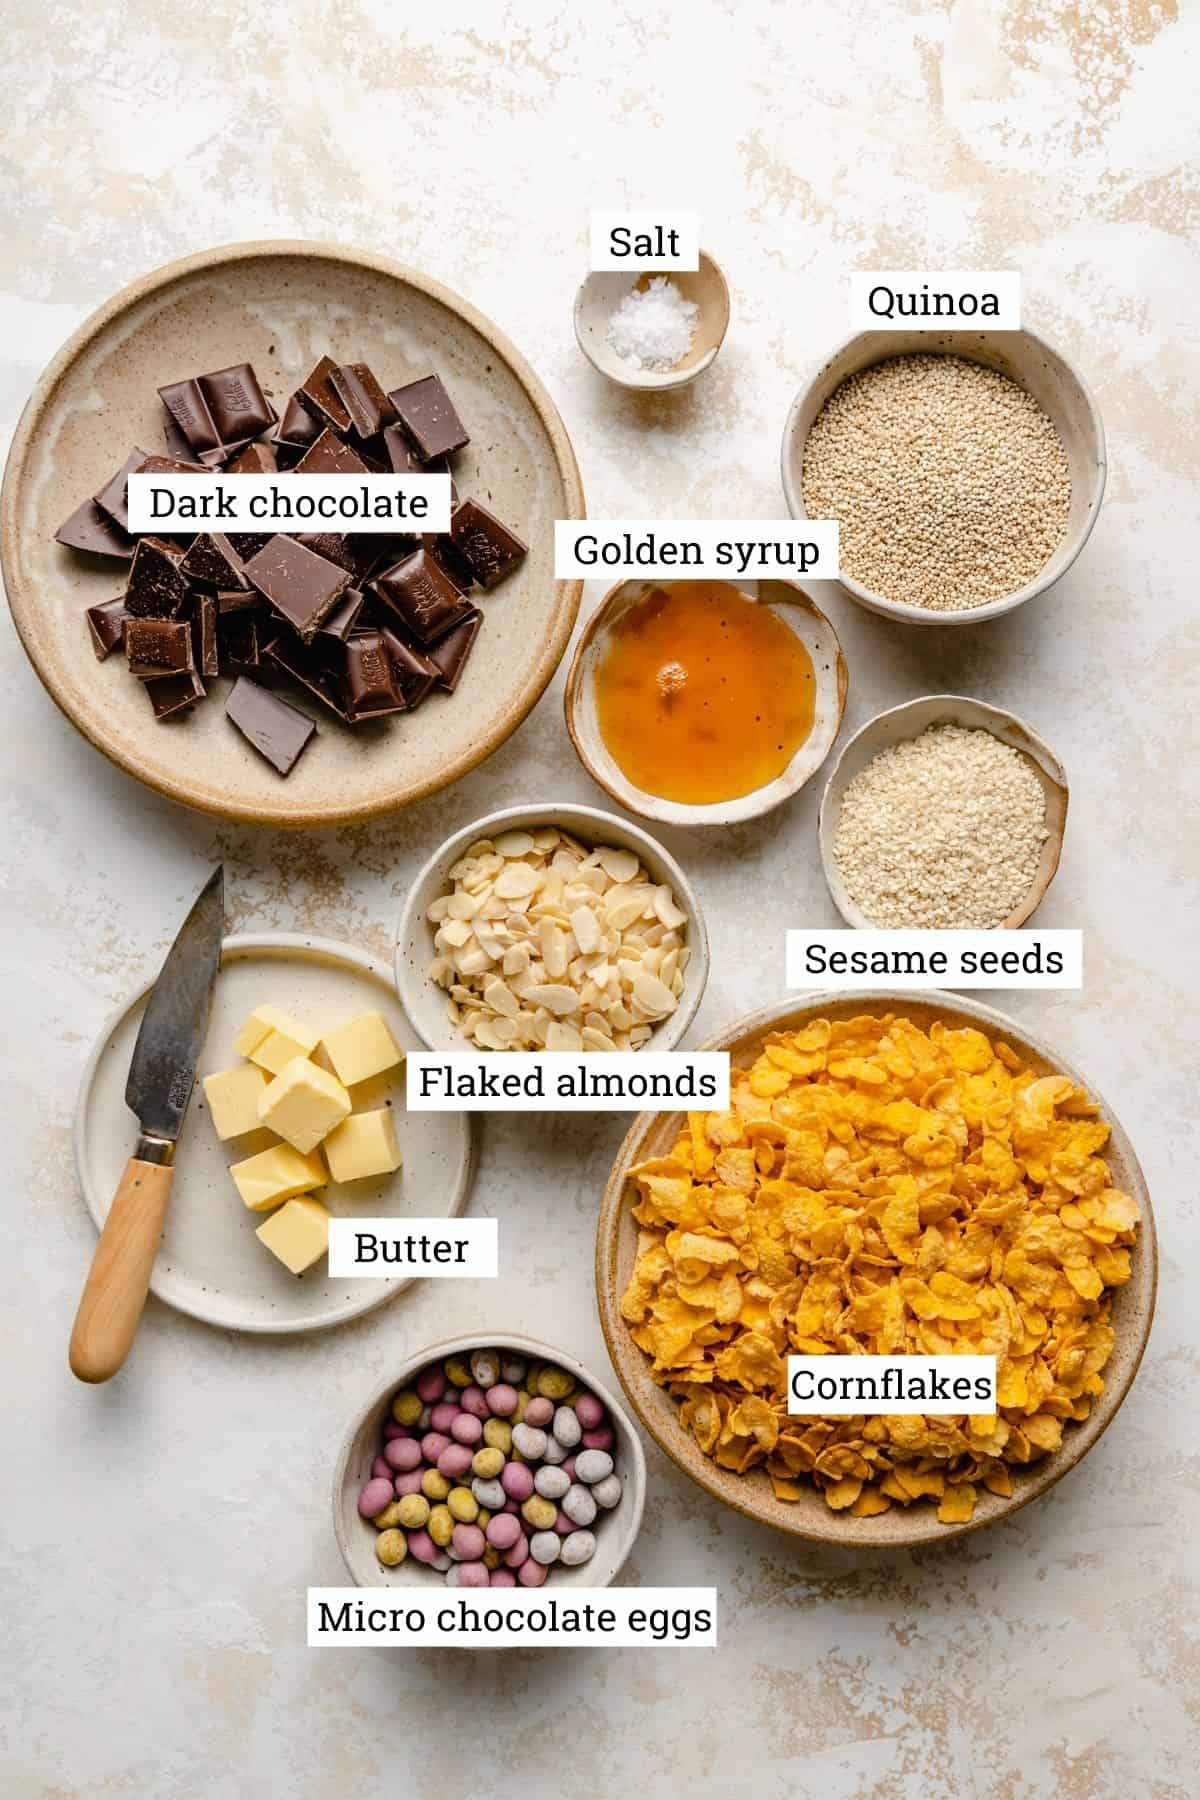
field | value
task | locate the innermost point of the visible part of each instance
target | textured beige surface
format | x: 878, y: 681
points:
x: 158, y: 1535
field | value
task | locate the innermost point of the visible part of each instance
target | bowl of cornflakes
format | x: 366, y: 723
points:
x: 899, y: 1174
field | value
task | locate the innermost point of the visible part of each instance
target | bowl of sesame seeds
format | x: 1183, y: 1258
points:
x: 942, y: 814
x: 965, y: 469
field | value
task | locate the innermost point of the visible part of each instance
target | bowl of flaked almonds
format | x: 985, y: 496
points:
x: 899, y: 1175
x: 551, y: 927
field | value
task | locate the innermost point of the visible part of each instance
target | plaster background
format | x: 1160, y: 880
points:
x: 158, y: 1535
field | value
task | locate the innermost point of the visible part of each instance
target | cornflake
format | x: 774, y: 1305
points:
x: 883, y: 1189
x: 543, y: 944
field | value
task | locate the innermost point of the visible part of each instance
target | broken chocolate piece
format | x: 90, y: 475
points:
x: 422, y: 595
x: 241, y: 643
x: 297, y: 431
x: 309, y: 669
x: 234, y: 600
x: 368, y: 682
x: 172, y: 694
x: 92, y: 530
x: 332, y: 546
x: 302, y: 587
x: 278, y: 732
x: 158, y: 647
x: 488, y: 548
x: 318, y: 396
x: 330, y: 456
x: 248, y: 543
x: 213, y: 560
x: 450, y: 653
x: 113, y: 496
x: 413, y: 672
x: 344, y: 617
x: 255, y: 459
x: 204, y: 633
x: 106, y: 622
x: 427, y: 414
x: 157, y: 588
x: 363, y: 398
x: 219, y: 414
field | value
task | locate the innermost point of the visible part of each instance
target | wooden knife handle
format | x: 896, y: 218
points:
x: 115, y: 1294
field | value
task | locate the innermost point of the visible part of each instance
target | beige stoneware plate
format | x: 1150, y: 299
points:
x: 788, y: 601
x: 615, y: 1530
x: 211, y: 1265
x: 652, y: 1134
x: 900, y: 724
x: 1038, y: 367
x: 280, y: 306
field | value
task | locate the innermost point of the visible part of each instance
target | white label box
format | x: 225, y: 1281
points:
x: 469, y: 1248
x: 839, y: 1387
x: 935, y: 299
x: 593, y: 1618
x: 723, y: 548
x: 289, y: 503
x: 841, y: 960
x: 644, y: 242
x: 566, y: 1080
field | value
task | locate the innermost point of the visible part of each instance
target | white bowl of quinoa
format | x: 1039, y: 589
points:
x: 965, y: 469
x: 942, y: 814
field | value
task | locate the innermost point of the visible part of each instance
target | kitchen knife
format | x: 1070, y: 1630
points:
x: 161, y: 1072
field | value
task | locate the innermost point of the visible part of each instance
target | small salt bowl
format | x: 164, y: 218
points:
x: 602, y: 293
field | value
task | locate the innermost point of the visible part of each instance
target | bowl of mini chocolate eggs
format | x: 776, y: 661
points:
x: 489, y: 1462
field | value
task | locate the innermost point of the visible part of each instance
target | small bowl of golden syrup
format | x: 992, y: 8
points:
x: 705, y: 702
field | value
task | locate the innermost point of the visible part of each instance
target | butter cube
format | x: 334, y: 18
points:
x: 232, y: 1097
x: 276, y: 1174
x: 364, y: 1144
x: 303, y: 1104
x: 362, y: 1048
x: 298, y: 1234
x: 272, y: 1038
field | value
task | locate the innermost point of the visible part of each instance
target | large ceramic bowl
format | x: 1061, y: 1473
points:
x: 280, y: 306
x: 652, y: 1134
x: 1033, y: 364
x: 615, y: 1529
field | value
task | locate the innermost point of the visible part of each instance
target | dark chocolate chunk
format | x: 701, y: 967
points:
x: 318, y: 396
x: 427, y: 414
x: 255, y: 459
x: 248, y: 543
x: 213, y: 561
x: 235, y: 600
x: 309, y: 669
x: 345, y: 615
x: 157, y: 588
x: 450, y: 653
x: 113, y: 496
x: 297, y: 431
x: 106, y: 623
x: 92, y: 530
x: 401, y: 454
x: 363, y: 398
x: 489, y: 549
x: 204, y: 632
x: 276, y: 730
x: 172, y: 694
x: 157, y: 647
x: 330, y: 456
x: 219, y: 414
x: 173, y: 438
x: 302, y: 587
x: 412, y: 671
x: 422, y: 595
x: 369, y: 685
x: 240, y: 643
x: 332, y: 546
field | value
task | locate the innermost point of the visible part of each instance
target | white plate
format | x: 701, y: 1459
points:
x: 210, y: 1264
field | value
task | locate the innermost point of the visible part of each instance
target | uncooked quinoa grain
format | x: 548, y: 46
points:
x: 949, y: 482
x: 943, y: 832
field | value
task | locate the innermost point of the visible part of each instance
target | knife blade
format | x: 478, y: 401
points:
x: 162, y: 1069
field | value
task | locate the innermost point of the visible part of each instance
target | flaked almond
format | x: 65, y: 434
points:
x: 517, y: 881
x: 514, y: 843
x: 498, y: 995
x: 652, y: 995
x: 586, y: 927
x: 555, y: 997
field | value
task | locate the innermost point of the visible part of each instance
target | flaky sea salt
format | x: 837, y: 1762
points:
x: 653, y: 326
